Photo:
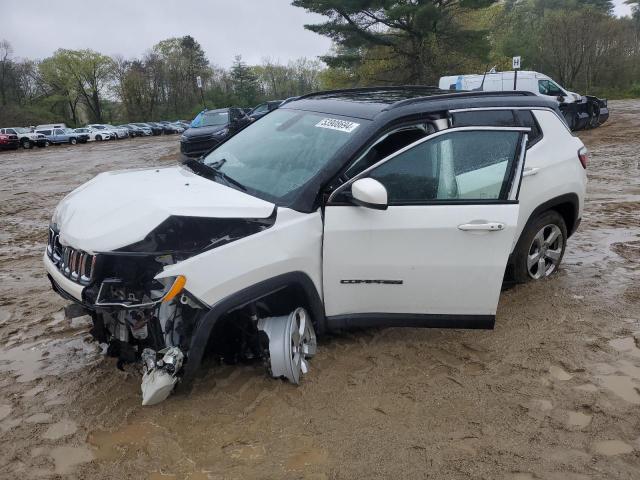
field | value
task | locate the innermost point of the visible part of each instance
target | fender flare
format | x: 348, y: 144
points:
x: 568, y: 198
x: 208, y: 321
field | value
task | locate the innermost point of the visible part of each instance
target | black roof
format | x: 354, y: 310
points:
x: 367, y: 103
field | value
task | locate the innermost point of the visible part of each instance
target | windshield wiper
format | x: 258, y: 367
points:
x: 213, y: 172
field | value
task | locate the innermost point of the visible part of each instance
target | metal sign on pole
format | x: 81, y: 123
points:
x: 199, y: 84
x: 516, y: 66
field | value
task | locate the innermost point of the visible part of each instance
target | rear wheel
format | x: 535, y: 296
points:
x: 541, y: 248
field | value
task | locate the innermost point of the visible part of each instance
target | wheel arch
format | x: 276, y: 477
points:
x: 203, y: 330
x: 567, y: 205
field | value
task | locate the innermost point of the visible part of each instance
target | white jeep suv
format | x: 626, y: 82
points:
x: 399, y: 206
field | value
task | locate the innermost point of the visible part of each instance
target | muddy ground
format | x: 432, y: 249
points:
x: 552, y: 393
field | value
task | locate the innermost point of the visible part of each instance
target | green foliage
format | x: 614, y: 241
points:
x: 400, y: 40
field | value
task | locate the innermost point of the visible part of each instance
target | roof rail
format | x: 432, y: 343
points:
x: 433, y: 91
x: 463, y: 94
x: 368, y: 89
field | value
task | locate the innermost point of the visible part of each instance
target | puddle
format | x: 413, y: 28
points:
x: 107, y: 443
x: 59, y: 430
x: 39, y: 418
x: 623, y: 386
x: 626, y: 345
x: 245, y: 451
x: 559, y: 374
x: 66, y: 458
x: 587, y: 387
x: 612, y: 447
x: 162, y: 476
x: 37, y: 360
x: 302, y: 460
x: 578, y: 419
x: 621, y: 378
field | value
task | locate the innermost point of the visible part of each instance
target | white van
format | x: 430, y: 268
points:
x: 579, y: 112
x: 527, y: 81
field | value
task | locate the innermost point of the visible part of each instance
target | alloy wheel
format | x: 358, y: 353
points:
x: 545, y: 252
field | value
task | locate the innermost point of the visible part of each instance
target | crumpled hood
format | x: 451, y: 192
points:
x: 116, y: 209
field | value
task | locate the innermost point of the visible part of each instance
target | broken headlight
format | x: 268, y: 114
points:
x: 114, y: 292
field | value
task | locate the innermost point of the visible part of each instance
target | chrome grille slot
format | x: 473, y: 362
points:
x: 77, y: 265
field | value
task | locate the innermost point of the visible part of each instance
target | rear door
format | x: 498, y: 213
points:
x: 436, y: 256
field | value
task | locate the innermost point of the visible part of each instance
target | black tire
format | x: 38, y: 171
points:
x: 47, y: 143
x: 73, y: 140
x: 98, y: 138
x: 531, y: 251
x: 26, y: 144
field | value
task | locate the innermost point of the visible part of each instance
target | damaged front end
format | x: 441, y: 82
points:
x: 139, y: 316
x: 588, y: 112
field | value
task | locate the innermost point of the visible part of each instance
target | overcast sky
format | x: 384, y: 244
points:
x: 254, y: 29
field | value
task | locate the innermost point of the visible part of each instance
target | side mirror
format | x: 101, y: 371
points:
x: 560, y: 98
x: 369, y: 193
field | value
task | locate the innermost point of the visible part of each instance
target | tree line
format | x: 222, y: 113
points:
x: 84, y: 86
x: 580, y: 43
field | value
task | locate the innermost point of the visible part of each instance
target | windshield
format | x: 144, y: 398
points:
x: 282, y: 151
x: 22, y: 130
x: 212, y: 119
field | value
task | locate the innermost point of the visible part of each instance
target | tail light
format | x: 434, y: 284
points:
x: 583, y: 155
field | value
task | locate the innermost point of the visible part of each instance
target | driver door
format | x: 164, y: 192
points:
x: 436, y: 256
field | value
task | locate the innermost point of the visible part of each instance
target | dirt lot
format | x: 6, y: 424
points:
x: 552, y: 393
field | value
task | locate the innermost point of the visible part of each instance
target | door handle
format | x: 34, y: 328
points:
x: 488, y: 226
x: 529, y: 172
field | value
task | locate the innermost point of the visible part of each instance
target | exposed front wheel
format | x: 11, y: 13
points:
x: 98, y: 138
x: 292, y: 340
x: 541, y: 248
x: 73, y: 141
x: 26, y: 144
x: 47, y: 143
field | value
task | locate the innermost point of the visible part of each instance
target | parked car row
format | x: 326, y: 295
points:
x: 59, y: 133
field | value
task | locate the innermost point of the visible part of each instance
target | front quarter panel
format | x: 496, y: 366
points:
x: 292, y: 244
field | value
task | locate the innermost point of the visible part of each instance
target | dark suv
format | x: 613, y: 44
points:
x: 210, y: 128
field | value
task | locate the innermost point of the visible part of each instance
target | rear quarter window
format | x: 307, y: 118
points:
x: 500, y: 118
x: 489, y: 118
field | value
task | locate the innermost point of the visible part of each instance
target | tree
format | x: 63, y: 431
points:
x: 411, y: 39
x: 6, y: 51
x: 183, y: 60
x: 83, y: 72
x: 244, y: 82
